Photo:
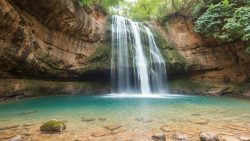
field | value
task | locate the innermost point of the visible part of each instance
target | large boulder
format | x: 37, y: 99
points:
x: 53, y: 126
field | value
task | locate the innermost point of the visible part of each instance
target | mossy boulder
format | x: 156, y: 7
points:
x: 53, y: 126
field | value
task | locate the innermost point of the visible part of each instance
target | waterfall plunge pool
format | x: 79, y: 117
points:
x: 138, y: 116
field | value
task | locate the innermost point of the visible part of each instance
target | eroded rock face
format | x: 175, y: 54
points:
x: 59, y: 39
x: 212, y: 67
x: 51, y: 39
x: 22, y: 88
x: 212, y: 60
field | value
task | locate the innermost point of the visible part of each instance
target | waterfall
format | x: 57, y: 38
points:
x: 137, y: 65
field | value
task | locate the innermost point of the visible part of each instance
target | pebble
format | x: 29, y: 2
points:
x: 199, y: 121
x: 143, y: 119
x: 112, y: 127
x: 244, y: 138
x: 29, y: 112
x: 101, y: 132
x: 209, y: 137
x: 229, y: 138
x: 16, y: 138
x: 159, y: 137
x: 180, y: 137
x: 88, y: 119
x: 165, y: 128
x: 9, y: 127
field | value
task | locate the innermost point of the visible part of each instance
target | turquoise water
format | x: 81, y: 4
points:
x: 186, y: 114
x: 122, y: 109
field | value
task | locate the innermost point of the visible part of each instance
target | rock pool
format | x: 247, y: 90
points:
x: 111, y: 117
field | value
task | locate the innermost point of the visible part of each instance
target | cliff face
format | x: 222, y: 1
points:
x: 58, y: 44
x: 214, y: 61
x: 50, y: 38
x: 206, y: 60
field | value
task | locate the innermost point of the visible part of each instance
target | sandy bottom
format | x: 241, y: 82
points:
x: 110, y: 118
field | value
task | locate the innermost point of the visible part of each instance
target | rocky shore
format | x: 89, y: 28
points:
x: 99, y: 129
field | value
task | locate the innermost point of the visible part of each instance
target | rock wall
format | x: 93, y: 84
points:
x: 58, y: 40
x: 50, y: 39
x: 47, y: 40
x: 220, y: 65
x: 23, y: 88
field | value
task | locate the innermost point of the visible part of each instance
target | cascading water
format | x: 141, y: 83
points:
x: 137, y: 65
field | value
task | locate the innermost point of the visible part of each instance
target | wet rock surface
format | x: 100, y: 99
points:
x: 112, y: 127
x: 86, y: 119
x: 53, y: 126
x: 101, y: 132
x: 16, y: 138
x: 209, y: 136
x: 159, y: 137
x: 144, y: 120
x: 229, y: 138
x: 180, y: 137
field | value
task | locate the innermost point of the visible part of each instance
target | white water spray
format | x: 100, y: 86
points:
x: 137, y: 65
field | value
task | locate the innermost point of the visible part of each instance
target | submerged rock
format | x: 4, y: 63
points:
x: 143, y: 119
x: 166, y: 128
x: 199, y: 121
x: 159, y: 137
x: 244, y: 138
x: 16, y: 138
x: 86, y: 119
x: 101, y: 132
x: 209, y: 137
x: 29, y: 112
x: 195, y: 114
x: 112, y: 127
x: 180, y: 137
x: 102, y: 119
x: 28, y: 125
x: 53, y: 126
x: 229, y: 138
x: 9, y: 127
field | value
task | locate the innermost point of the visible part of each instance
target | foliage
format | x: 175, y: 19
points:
x: 213, y: 20
x: 172, y: 6
x: 226, y: 21
x: 105, y: 4
x: 86, y: 3
x: 140, y: 10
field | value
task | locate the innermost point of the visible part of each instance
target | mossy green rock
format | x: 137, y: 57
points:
x: 53, y: 126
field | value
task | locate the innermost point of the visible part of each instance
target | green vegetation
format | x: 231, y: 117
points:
x: 227, y: 21
x: 142, y: 10
x: 105, y: 4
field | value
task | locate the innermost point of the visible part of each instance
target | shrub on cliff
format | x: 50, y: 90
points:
x: 226, y: 21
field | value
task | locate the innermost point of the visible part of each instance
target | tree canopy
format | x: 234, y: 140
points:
x: 227, y: 20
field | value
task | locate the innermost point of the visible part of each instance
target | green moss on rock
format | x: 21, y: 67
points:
x: 100, y: 59
x: 174, y: 60
x: 53, y: 126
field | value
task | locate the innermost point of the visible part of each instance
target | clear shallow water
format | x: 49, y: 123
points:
x: 173, y: 110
